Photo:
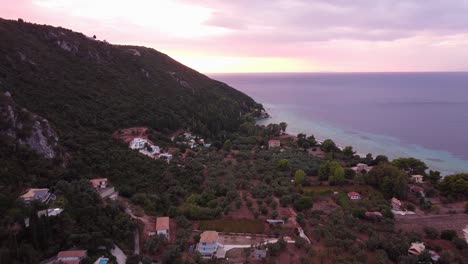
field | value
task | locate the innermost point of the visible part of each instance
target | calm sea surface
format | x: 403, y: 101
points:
x: 424, y: 115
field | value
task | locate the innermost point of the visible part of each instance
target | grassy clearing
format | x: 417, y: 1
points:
x: 234, y: 225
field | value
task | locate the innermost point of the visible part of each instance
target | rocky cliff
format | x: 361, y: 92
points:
x: 18, y: 125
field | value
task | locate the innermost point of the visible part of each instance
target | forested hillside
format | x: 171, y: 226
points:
x: 86, y: 89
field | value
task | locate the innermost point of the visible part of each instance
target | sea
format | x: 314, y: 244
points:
x: 421, y: 115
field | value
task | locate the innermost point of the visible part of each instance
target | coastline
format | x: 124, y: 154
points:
x: 440, y: 160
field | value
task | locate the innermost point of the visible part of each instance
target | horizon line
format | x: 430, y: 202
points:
x: 341, y: 72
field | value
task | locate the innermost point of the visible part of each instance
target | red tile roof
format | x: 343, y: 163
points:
x: 162, y: 223
x: 353, y: 194
x: 72, y: 254
x: 96, y: 182
x: 209, y: 237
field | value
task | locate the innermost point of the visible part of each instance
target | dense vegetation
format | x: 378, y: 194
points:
x: 88, y: 89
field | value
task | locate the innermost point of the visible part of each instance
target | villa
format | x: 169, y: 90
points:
x: 354, y: 196
x: 71, y: 256
x: 362, y: 167
x: 102, y: 187
x: 208, y: 243
x: 162, y: 226
x: 274, y: 143
x: 40, y: 195
x: 416, y: 248
x: 396, y: 204
x: 417, y: 178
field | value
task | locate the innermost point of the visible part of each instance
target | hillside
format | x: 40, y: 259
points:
x: 80, y: 90
x: 82, y: 84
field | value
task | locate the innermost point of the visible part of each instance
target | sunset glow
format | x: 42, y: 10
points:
x: 271, y: 36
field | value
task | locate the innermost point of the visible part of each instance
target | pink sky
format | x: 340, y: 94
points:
x: 272, y: 35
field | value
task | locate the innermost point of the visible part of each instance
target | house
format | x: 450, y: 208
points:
x: 162, y: 226
x: 417, y: 189
x: 396, y: 204
x: 99, y: 183
x: 138, y: 143
x: 274, y: 143
x: 275, y: 221
x: 40, y: 195
x: 71, y: 256
x: 50, y: 212
x: 434, y: 256
x: 373, y: 214
x: 416, y: 248
x: 208, y: 243
x: 361, y: 167
x: 259, y: 253
x: 417, y: 178
x: 354, y: 196
x: 102, y: 187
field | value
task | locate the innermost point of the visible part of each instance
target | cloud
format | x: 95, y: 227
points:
x: 335, y: 34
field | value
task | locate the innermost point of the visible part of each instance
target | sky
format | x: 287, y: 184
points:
x: 218, y: 36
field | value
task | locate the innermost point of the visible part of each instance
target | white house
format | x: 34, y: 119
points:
x: 416, y: 248
x: 354, y: 196
x: 362, y: 167
x: 274, y: 143
x: 208, y: 243
x: 417, y: 178
x: 138, y: 143
x: 162, y: 226
x: 103, y: 188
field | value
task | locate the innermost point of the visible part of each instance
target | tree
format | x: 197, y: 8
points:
x: 431, y: 232
x: 389, y: 179
x: 284, y: 164
x: 283, y: 126
x: 154, y: 243
x: 227, y: 145
x: 348, y: 152
x: 303, y: 203
x: 338, y: 175
x: 328, y: 145
x: 411, y: 165
x: 299, y: 177
x: 455, y: 186
x: 328, y: 168
x: 380, y: 159
x: 448, y: 234
x: 433, y: 177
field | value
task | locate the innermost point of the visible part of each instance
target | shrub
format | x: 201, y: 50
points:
x: 448, y: 234
x: 431, y: 232
x: 460, y: 243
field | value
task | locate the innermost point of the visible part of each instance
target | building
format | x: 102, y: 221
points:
x: 138, y: 143
x: 374, y: 214
x: 208, y: 243
x: 354, y: 196
x: 361, y: 167
x: 396, y: 204
x: 416, y: 248
x: 71, y: 256
x: 275, y: 221
x: 274, y: 143
x: 40, y: 195
x: 102, y: 187
x: 417, y: 178
x: 417, y: 189
x: 162, y: 226
x: 49, y: 212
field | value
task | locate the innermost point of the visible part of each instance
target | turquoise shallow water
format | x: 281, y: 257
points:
x: 398, y: 115
x: 364, y: 142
